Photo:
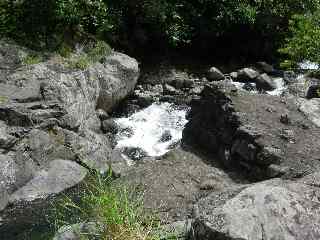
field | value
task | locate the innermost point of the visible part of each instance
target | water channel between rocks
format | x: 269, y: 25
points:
x: 157, y: 129
x: 151, y: 132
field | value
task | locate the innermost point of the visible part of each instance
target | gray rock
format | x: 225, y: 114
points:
x: 234, y: 75
x: 79, y: 231
x: 166, y: 136
x: 50, y: 131
x: 188, y: 83
x: 171, y: 185
x: 60, y: 175
x: 273, y: 209
x: 6, y: 140
x: 102, y: 115
x: 118, y: 78
x: 134, y: 153
x: 4, y: 200
x: 170, y: 90
x: 247, y: 75
x: 264, y: 82
x: 238, y: 123
x: 311, y: 108
x: 110, y: 126
x: 145, y: 100
x: 214, y: 74
x: 265, y: 67
x: 313, y: 92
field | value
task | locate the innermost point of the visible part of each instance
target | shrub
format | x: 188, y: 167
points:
x: 32, y: 59
x: 304, y: 42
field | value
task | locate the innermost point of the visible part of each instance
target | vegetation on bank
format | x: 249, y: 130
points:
x: 303, y: 41
x: 239, y: 26
x: 117, y: 210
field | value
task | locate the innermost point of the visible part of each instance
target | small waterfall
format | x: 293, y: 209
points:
x: 152, y: 131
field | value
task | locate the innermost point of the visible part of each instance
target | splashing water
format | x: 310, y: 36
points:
x: 308, y: 65
x: 154, y: 129
x: 279, y: 82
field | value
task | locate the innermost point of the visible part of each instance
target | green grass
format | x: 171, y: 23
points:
x: 100, y: 50
x: 93, y: 55
x: 81, y: 62
x: 3, y: 99
x: 32, y: 59
x: 114, y: 206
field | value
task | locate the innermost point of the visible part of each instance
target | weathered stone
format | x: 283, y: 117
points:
x: 224, y: 121
x: 265, y: 67
x: 273, y: 209
x: 264, y: 82
x: 90, y: 230
x: 214, y: 74
x: 313, y: 92
x: 50, y: 131
x: 311, y: 108
x: 61, y: 175
x: 171, y: 185
x: 110, y: 125
x: 170, y: 90
x: 247, y: 75
x: 102, y: 115
x: 118, y: 78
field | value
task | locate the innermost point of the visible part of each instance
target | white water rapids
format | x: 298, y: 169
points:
x: 154, y: 130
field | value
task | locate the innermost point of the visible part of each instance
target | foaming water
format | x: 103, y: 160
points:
x: 279, y: 82
x: 153, y: 130
x: 280, y: 87
x: 308, y: 65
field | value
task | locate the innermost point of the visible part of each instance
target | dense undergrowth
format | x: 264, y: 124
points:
x: 250, y: 28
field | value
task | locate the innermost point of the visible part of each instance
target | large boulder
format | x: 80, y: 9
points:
x: 214, y: 74
x: 265, y: 136
x: 311, y: 109
x: 118, y: 77
x: 274, y: 209
x: 247, y: 75
x: 50, y: 133
x: 79, y: 231
x: 170, y: 186
x: 264, y: 82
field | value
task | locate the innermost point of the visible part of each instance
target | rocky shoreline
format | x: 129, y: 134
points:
x: 248, y: 167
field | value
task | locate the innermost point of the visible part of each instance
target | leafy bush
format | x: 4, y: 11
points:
x: 152, y: 22
x: 84, y: 59
x: 32, y: 59
x: 304, y: 42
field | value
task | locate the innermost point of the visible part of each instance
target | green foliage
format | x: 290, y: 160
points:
x: 100, y: 50
x: 112, y: 205
x: 3, y: 99
x: 65, y: 50
x: 32, y: 59
x: 93, y: 55
x: 80, y: 62
x: 304, y: 42
x: 43, y: 23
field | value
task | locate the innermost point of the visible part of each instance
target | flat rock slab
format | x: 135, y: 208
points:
x: 172, y: 185
x: 267, y: 136
x: 273, y: 209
